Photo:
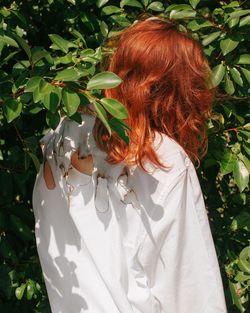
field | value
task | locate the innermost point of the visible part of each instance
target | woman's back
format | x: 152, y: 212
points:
x: 122, y: 239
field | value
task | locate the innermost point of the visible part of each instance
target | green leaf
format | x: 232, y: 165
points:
x: 61, y: 43
x: 78, y: 35
x: 131, y: 3
x: 237, y: 13
x: 198, y: 24
x: 104, y: 80
x: 194, y: 3
x: 244, y: 260
x: 241, y: 221
x: 39, y: 54
x: 76, y: 117
x: 178, y: 7
x: 227, y: 163
x: 66, y: 59
x: 246, y: 73
x: 233, y: 22
x: 245, y: 132
x: 12, y: 109
x: 176, y: 14
x: 111, y: 9
x: 8, y: 41
x: 102, y: 115
x: 210, y: 38
x: 244, y: 21
x: 246, y: 161
x: 229, y: 86
x: 156, y: 6
x: 70, y: 100
x: 36, y: 162
x: 69, y: 74
x: 120, y: 129
x: 23, y: 44
x: 33, y: 83
x: 52, y: 100
x: 30, y: 290
x: 241, y: 175
x: 100, y: 3
x: 232, y: 4
x: 52, y: 119
x: 227, y: 45
x: 115, y: 108
x: 19, y: 291
x: 218, y: 74
x: 104, y: 28
x: 236, y: 76
x: 121, y: 20
x: 244, y: 59
x: 45, y: 87
x: 241, y: 277
x: 247, y: 149
x: 236, y: 299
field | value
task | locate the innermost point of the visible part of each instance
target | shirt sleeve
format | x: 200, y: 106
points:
x: 69, y: 136
x: 178, y: 255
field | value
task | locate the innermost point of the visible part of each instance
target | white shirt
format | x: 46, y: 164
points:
x: 115, y: 243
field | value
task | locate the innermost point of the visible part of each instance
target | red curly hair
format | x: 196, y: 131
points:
x: 165, y: 89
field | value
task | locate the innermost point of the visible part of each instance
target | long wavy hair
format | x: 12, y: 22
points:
x: 166, y: 89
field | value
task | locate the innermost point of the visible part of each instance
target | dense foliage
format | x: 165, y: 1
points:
x: 50, y: 53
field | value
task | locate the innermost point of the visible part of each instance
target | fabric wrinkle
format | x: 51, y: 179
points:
x: 70, y: 137
x: 137, y: 255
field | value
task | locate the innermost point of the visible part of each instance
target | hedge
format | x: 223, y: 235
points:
x: 51, y: 63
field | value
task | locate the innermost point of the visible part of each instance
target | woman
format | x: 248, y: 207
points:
x: 123, y: 228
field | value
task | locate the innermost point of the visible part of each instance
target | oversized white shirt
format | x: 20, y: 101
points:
x: 123, y: 243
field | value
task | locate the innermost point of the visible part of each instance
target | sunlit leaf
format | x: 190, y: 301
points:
x: 12, y: 109
x: 244, y: 260
x: 131, y: 3
x: 194, y: 3
x: 241, y: 175
x: 33, y: 83
x: 176, y: 14
x: 198, y: 24
x: 244, y: 59
x: 246, y: 73
x: 244, y: 21
x: 70, y: 100
x: 210, y: 38
x: 227, y: 164
x: 156, y: 6
x: 218, y: 74
x: 236, y: 76
x: 61, y: 43
x: 229, y: 85
x: 227, y: 45
x: 20, y: 291
x: 104, y: 80
x: 100, y: 3
x: 68, y: 74
x: 115, y: 108
x: 111, y: 9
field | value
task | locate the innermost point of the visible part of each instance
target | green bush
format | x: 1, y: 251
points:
x: 50, y: 53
